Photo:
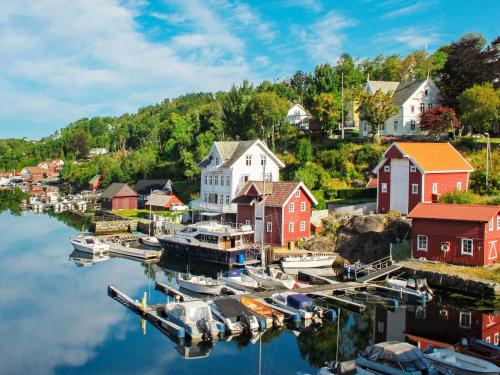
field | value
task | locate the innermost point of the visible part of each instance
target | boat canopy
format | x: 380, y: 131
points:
x: 230, y: 308
x: 299, y: 301
x: 407, y: 355
x: 192, y: 311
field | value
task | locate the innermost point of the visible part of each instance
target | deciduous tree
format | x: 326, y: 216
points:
x: 376, y: 109
x: 479, y: 107
x: 439, y: 120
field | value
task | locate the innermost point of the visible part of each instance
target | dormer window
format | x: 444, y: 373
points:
x: 426, y: 92
x: 248, y: 160
x: 216, y: 161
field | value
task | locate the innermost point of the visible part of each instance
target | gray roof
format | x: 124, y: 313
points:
x: 158, y: 199
x: 405, y: 90
x: 230, y: 152
x: 118, y: 189
x: 144, y: 187
x: 384, y: 86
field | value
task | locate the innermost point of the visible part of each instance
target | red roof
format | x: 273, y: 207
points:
x: 277, y: 192
x: 455, y: 212
x: 372, y: 183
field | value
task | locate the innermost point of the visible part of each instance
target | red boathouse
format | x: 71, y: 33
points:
x: 119, y: 196
x: 410, y: 173
x: 464, y: 234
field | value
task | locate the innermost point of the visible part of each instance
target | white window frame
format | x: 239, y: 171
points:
x: 210, y: 179
x: 303, y: 226
x: 422, y: 107
x: 498, y: 222
x: 297, y: 194
x: 466, y: 241
x: 420, y: 246
x: 291, y: 227
x: 462, y: 314
x: 216, y: 161
x: 395, y: 124
x: 269, y: 227
x: 245, y: 178
x: 262, y: 159
x: 227, y: 199
x: 216, y: 180
x: 383, y: 187
x: 247, y: 222
x: 205, y: 180
x: 491, y: 225
x: 459, y: 186
x: 205, y: 197
x: 228, y: 180
x: 413, y: 168
x: 291, y: 207
x: 248, y: 160
x: 414, y: 189
x: 387, y: 168
x: 302, y: 206
x: 434, y: 188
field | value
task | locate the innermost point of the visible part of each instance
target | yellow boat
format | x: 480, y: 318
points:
x: 263, y: 310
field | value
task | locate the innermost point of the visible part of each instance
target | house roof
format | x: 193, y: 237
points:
x: 35, y: 170
x: 384, y: 86
x: 455, y: 212
x: 118, y: 189
x: 372, y: 183
x: 158, y: 200
x: 277, y: 192
x: 431, y: 157
x: 144, y: 187
x: 405, y: 90
x: 95, y: 179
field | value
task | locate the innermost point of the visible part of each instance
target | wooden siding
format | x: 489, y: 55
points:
x: 123, y: 203
x: 446, y: 182
x: 384, y: 198
x: 296, y: 217
x: 414, y: 178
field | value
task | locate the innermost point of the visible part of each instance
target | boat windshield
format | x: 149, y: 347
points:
x: 90, y: 241
x: 195, y: 314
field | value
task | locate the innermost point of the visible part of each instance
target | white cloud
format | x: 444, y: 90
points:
x: 409, y: 37
x: 314, y: 5
x: 404, y: 11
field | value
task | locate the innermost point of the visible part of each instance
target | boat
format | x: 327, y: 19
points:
x: 395, y: 358
x: 338, y: 368
x: 195, y: 317
x: 88, y: 243
x: 459, y: 363
x: 315, y: 261
x: 82, y: 259
x: 298, y: 303
x: 238, y: 280
x: 200, y: 284
x: 413, y: 288
x: 264, y: 311
x: 480, y: 349
x: 234, y: 315
x: 209, y: 241
x: 270, y: 278
x: 150, y: 241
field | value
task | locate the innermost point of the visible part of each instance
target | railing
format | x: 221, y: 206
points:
x: 222, y: 208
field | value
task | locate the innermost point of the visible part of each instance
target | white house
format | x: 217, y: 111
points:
x: 226, y: 169
x: 97, y: 151
x: 298, y: 117
x: 411, y: 98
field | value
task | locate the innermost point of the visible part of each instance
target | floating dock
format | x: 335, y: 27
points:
x: 147, y: 256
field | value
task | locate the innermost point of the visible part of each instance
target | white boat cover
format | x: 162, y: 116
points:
x: 192, y: 311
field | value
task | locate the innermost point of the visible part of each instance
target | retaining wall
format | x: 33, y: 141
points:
x: 356, y: 209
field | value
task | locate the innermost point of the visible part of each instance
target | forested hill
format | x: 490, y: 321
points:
x: 168, y: 139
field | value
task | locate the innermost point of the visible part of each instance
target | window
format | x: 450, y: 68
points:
x: 426, y: 92
x: 248, y: 160
x: 413, y: 168
x: 491, y: 225
x: 422, y: 107
x: 380, y: 327
x: 413, y: 125
x: 205, y: 197
x: 434, y: 188
x: 496, y: 338
x: 221, y: 198
x: 467, y: 246
x: 498, y: 222
x: 387, y: 168
x: 262, y: 159
x: 291, y: 207
x: 228, y: 181
x: 216, y: 180
x: 216, y: 161
x: 205, y: 180
x: 244, y: 178
x: 365, y: 127
x: 297, y: 194
x: 302, y: 226
x: 414, y: 189
x: 269, y: 227
x: 247, y: 222
x: 395, y: 124
x: 465, y: 320
x: 210, y: 180
x: 459, y: 186
x: 227, y: 198
x: 412, y: 109
x: 302, y: 206
x: 382, y: 127
x: 383, y: 187
x: 422, y: 242
x: 290, y: 227
x: 430, y: 105
x: 488, y: 339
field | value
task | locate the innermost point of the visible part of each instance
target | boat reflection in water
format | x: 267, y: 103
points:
x: 83, y: 259
x: 195, y: 350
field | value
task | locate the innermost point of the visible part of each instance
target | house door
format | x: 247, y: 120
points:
x: 399, y: 185
x: 492, y: 254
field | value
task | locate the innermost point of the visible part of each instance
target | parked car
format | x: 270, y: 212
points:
x: 178, y: 207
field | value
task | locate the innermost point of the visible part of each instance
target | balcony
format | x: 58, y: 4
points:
x: 215, y: 207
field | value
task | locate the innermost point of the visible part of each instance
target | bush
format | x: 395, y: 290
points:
x: 478, y: 183
x: 461, y: 197
x: 358, y: 193
x: 320, y: 197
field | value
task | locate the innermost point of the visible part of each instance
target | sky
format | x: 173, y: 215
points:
x: 63, y: 60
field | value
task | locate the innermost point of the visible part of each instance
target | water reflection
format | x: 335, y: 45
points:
x: 83, y: 259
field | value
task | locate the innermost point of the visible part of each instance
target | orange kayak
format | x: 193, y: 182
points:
x: 262, y: 309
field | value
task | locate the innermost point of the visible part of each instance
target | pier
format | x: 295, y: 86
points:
x: 146, y: 256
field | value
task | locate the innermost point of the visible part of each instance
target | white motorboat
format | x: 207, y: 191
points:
x: 195, y: 317
x: 88, y: 243
x: 238, y: 280
x: 413, y: 288
x: 151, y: 241
x: 298, y: 303
x: 271, y: 278
x: 318, y: 261
x: 461, y: 364
x: 200, y: 284
x: 234, y: 315
x: 82, y: 259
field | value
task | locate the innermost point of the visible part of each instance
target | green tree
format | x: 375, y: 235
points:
x: 79, y: 144
x: 326, y: 109
x: 304, y: 150
x: 235, y: 109
x: 480, y: 107
x: 376, y: 109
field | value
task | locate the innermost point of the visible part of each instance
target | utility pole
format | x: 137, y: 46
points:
x: 342, y: 104
x: 488, y: 150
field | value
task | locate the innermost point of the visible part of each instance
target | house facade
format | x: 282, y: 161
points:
x: 227, y: 168
x: 299, y: 117
x: 119, y: 196
x: 33, y: 173
x: 411, y: 98
x: 287, y: 206
x: 410, y: 173
x: 95, y: 182
x: 456, y: 233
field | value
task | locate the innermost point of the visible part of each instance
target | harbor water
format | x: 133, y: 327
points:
x: 56, y: 317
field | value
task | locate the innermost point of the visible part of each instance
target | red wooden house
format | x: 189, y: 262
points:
x: 161, y: 201
x: 287, y: 211
x: 119, y: 196
x: 33, y: 173
x: 456, y: 233
x: 411, y: 173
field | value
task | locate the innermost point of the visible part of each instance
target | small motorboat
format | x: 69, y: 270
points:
x: 82, y: 259
x: 413, y: 288
x: 200, y: 284
x: 316, y: 261
x: 195, y: 317
x: 395, y: 358
x: 271, y: 278
x: 459, y: 363
x: 238, y: 280
x: 480, y: 349
x: 264, y: 311
x: 299, y: 303
x: 151, y: 241
x: 88, y: 243
x: 234, y: 315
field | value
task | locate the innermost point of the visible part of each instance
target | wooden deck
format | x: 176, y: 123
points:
x: 149, y: 256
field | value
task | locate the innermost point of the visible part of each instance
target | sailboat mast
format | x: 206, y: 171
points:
x: 262, y: 242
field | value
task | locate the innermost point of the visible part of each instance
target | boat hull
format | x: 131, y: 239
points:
x: 151, y: 242
x: 243, y: 285
x: 268, y: 282
x: 312, y: 263
x: 97, y: 249
x: 200, y: 288
x: 461, y: 364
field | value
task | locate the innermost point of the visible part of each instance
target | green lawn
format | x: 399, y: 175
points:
x: 143, y: 214
x: 495, y: 141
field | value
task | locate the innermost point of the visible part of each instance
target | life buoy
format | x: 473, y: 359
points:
x: 445, y: 247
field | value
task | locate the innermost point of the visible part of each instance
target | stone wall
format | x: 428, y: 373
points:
x: 102, y: 227
x: 353, y: 209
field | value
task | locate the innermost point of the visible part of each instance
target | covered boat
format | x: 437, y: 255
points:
x: 461, y: 364
x: 416, y: 289
x: 271, y: 278
x: 195, y: 317
x: 234, y: 315
x: 299, y: 303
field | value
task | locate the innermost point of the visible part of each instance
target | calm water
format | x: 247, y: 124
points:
x: 56, y: 318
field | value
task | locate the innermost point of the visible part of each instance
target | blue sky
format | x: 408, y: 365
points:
x: 63, y: 60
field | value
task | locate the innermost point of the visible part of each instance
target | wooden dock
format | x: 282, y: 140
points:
x: 147, y: 256
x: 379, y: 273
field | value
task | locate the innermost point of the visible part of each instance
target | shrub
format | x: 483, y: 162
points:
x: 358, y: 193
x: 478, y: 183
x: 320, y: 197
x: 462, y: 197
x: 308, y: 176
x: 304, y: 150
